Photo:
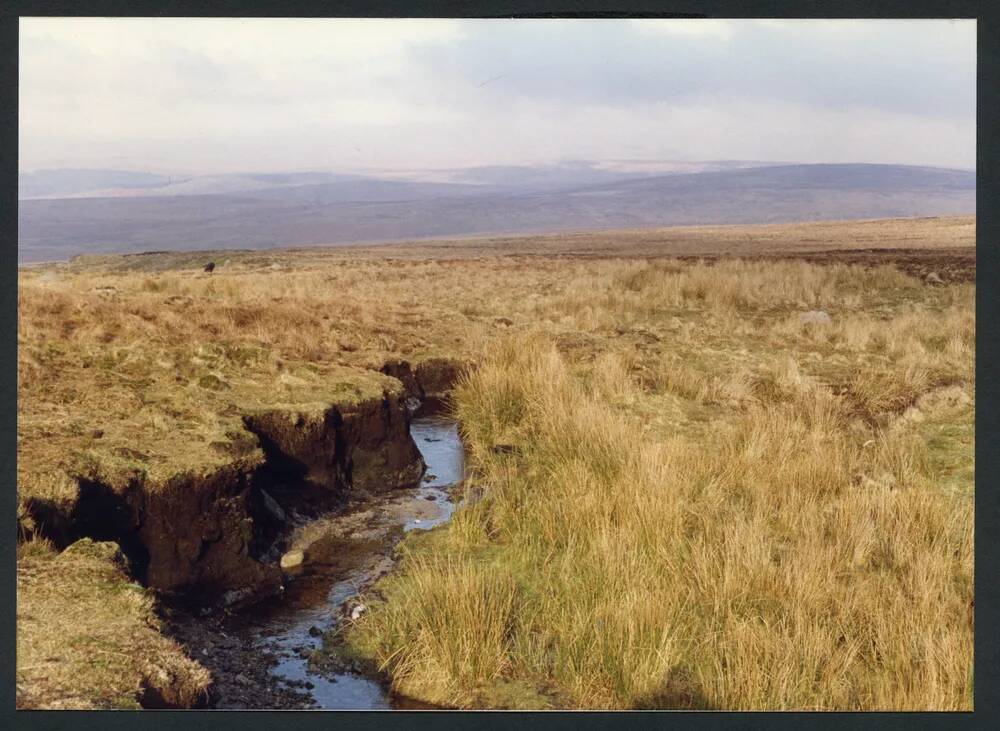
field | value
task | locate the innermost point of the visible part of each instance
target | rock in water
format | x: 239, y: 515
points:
x: 236, y: 595
x: 815, y: 317
x: 292, y: 560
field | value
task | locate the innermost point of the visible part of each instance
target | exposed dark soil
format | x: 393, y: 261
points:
x: 273, y: 654
x: 242, y: 647
x: 430, y: 380
x: 339, y: 485
x: 204, y: 536
x: 950, y: 264
x: 241, y: 671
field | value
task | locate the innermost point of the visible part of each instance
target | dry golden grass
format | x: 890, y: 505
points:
x: 742, y: 514
x: 712, y: 503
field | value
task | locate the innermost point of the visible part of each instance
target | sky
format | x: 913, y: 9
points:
x: 207, y: 95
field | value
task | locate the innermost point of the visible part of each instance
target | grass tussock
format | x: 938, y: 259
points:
x: 792, y: 557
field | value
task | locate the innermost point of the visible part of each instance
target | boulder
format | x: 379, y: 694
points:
x: 815, y: 317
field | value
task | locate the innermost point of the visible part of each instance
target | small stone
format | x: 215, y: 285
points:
x: 315, y: 631
x: 360, y: 608
x: 236, y: 595
x: 933, y: 278
x: 430, y: 497
x: 292, y: 560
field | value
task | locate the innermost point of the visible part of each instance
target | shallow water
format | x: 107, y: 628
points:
x: 339, y: 565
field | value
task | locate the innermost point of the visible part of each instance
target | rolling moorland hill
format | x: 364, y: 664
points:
x: 102, y: 183
x: 297, y: 211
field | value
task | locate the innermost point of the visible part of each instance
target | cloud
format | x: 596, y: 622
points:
x: 213, y: 95
x: 699, y: 28
x: 905, y: 66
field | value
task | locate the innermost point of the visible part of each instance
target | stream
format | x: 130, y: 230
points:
x: 345, y: 554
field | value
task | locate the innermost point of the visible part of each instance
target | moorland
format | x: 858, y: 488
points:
x: 725, y: 467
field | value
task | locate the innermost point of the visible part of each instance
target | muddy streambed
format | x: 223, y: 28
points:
x: 266, y: 656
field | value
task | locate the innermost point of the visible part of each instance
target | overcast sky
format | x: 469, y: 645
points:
x: 225, y: 95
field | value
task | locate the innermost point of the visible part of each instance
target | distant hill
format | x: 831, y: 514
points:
x: 49, y: 184
x: 297, y: 211
x: 46, y: 183
x: 63, y: 183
